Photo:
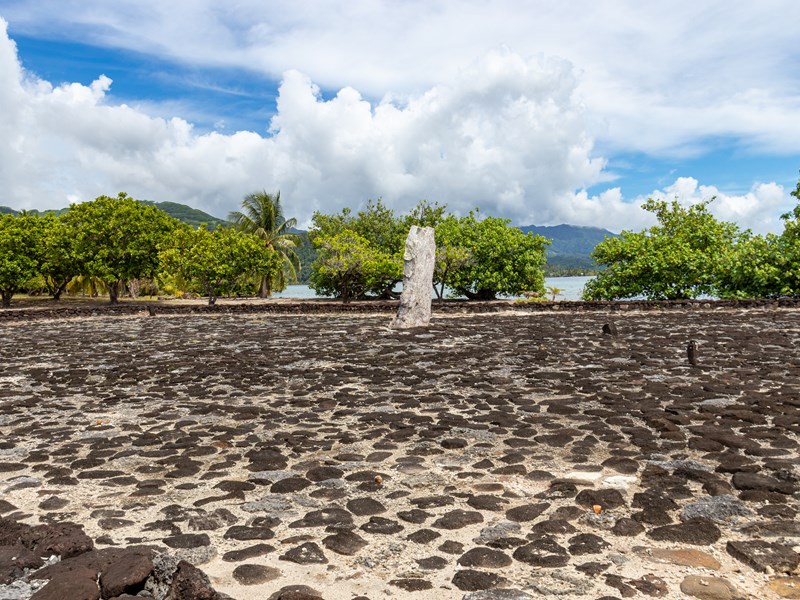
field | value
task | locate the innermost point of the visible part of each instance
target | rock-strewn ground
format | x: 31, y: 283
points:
x: 497, y: 456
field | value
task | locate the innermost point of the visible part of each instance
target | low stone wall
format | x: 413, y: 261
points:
x: 316, y: 307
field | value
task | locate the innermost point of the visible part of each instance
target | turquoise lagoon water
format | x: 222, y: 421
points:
x: 571, y: 288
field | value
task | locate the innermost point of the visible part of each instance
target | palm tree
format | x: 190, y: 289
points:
x: 262, y: 215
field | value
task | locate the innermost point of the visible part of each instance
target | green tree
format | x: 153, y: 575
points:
x: 216, y: 262
x: 262, y: 216
x: 764, y: 266
x: 348, y: 267
x: 117, y: 239
x: 681, y: 257
x: 451, y: 256
x: 60, y: 262
x: 373, y: 266
x: 501, y: 259
x: 20, y: 253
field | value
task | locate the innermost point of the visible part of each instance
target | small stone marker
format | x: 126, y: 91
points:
x: 610, y: 329
x: 419, y: 259
x: 691, y: 352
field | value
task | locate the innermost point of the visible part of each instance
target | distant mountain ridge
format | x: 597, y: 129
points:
x: 569, y: 251
x: 182, y: 212
x: 570, y: 239
x: 571, y: 246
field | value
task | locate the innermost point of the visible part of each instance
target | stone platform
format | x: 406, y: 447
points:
x: 498, y: 456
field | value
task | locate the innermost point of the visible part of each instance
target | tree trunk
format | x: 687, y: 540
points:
x: 60, y: 290
x: 113, y: 292
x: 6, y: 294
x: 265, y: 290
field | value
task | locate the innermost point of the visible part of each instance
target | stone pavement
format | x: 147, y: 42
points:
x: 485, y: 457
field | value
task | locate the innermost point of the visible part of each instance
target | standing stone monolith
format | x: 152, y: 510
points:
x: 419, y: 259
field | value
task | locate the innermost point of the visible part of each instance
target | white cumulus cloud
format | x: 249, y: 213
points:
x: 507, y: 134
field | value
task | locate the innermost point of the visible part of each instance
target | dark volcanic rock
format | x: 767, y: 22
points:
x: 456, y: 519
x: 451, y: 547
x: 432, y: 563
x: 609, y: 499
x: 526, y: 512
x: 764, y: 556
x: 296, y: 592
x: 324, y: 517
x: 79, y: 583
x: 126, y: 574
x: 63, y: 539
x: 484, y: 557
x: 305, y: 554
x: 554, y: 526
x: 432, y: 501
x: 413, y: 584
x: 763, y: 483
x: 363, y: 507
x: 415, y: 516
x: 543, y: 552
x: 587, y: 543
x: 627, y: 527
x: 423, y: 536
x: 470, y: 580
x: 251, y: 574
x: 382, y: 525
x: 245, y: 533
x: 700, y: 532
x: 344, y: 542
x: 13, y: 559
x: 487, y: 502
x: 323, y: 473
x: 187, y: 540
x: 190, y: 583
x: 253, y: 551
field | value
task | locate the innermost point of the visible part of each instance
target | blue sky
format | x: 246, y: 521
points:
x: 543, y: 113
x: 212, y: 98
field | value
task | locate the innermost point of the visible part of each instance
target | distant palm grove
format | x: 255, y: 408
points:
x: 120, y: 246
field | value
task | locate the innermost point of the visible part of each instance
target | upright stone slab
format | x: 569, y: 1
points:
x: 419, y: 257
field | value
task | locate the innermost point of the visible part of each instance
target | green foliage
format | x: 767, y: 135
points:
x: 262, y: 216
x: 372, y: 266
x: 117, y: 239
x: 348, y: 267
x: 61, y: 261
x: 751, y: 269
x: 21, y: 250
x: 765, y: 266
x: 494, y: 257
x: 477, y: 258
x: 554, y: 292
x: 681, y: 257
x: 216, y: 262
